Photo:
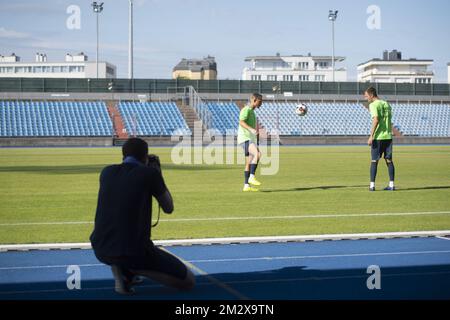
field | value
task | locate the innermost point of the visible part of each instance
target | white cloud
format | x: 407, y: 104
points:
x: 12, y: 34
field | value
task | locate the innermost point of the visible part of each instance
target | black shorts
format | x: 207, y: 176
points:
x: 155, y: 259
x: 380, y: 148
x: 246, y: 145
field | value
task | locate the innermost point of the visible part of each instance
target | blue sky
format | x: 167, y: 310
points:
x: 168, y: 30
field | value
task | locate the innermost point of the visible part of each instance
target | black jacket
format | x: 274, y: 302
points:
x: 123, y: 216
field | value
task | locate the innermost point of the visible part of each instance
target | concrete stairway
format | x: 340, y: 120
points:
x: 117, y: 120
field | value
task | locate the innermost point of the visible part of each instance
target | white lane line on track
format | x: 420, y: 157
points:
x: 355, y: 255
x: 311, y: 216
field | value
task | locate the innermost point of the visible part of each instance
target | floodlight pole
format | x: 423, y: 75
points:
x: 96, y: 54
x: 130, y: 40
x: 332, y: 16
x: 97, y: 9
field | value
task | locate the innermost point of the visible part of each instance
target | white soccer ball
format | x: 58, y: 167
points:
x: 301, y: 110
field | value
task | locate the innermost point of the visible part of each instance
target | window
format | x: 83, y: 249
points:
x: 56, y: 69
x: 321, y: 65
x: 423, y: 80
x: 256, y: 77
x: 319, y: 78
x: 47, y: 69
x: 6, y: 69
x: 303, y: 65
x: 37, y: 69
x: 64, y: 69
x: 276, y: 65
x: 303, y: 77
x: 271, y: 78
x: 288, y: 77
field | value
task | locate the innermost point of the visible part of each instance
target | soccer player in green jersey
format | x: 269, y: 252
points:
x: 380, y: 138
x: 247, y: 137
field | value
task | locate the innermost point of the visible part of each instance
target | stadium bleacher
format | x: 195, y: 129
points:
x: 329, y: 119
x: 91, y: 119
x: 153, y: 119
x: 225, y: 116
x: 431, y: 120
x: 54, y: 119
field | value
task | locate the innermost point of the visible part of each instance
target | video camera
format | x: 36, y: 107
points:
x: 154, y: 162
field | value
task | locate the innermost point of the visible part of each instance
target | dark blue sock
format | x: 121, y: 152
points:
x: 373, y: 171
x: 246, y: 175
x: 391, y: 170
x: 253, y: 168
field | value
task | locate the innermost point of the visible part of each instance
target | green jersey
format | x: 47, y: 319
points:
x: 383, y: 111
x: 248, y: 115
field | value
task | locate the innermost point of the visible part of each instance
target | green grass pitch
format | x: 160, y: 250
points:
x: 49, y: 195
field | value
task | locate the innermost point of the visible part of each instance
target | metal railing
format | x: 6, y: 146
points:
x: 161, y: 86
x: 200, y: 107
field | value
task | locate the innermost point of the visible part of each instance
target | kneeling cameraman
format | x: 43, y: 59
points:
x: 121, y: 236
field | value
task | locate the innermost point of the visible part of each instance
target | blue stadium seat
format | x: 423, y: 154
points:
x: 225, y: 116
x: 153, y: 119
x: 322, y: 119
x: 430, y: 120
x: 54, y: 118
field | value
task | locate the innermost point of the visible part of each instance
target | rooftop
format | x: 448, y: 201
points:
x: 197, y: 65
x: 280, y: 57
x: 395, y: 57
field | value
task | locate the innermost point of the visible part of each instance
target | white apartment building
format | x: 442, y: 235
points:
x: 448, y: 72
x: 74, y: 66
x: 293, y: 68
x: 393, y: 69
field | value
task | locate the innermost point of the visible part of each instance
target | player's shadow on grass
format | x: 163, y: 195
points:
x: 312, y: 188
x: 424, y: 188
x: 75, y: 169
x: 97, y: 168
x: 193, y: 167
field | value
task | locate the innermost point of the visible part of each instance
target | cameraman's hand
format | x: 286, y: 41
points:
x: 166, y: 202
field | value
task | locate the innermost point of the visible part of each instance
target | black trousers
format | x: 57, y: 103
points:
x: 154, y: 259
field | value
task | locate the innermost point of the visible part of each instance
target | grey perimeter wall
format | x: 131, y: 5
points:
x: 166, y: 141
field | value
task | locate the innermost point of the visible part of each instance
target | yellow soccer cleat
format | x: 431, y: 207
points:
x: 254, y: 182
x: 249, y: 189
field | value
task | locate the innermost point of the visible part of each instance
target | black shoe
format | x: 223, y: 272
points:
x: 122, y: 284
x: 136, y: 280
x: 371, y: 189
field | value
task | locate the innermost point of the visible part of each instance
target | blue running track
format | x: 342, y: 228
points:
x: 413, y: 268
